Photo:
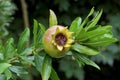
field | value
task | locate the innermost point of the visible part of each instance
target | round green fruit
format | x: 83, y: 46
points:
x: 57, y: 41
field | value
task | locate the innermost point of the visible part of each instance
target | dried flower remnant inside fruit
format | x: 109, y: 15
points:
x: 60, y: 39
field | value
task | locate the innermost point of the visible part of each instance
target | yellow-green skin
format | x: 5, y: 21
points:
x: 48, y: 45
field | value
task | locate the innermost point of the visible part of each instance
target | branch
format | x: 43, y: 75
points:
x: 25, y: 13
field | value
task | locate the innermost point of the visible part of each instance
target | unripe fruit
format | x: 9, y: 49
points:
x: 57, y: 41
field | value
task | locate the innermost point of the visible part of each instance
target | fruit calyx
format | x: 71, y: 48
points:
x: 57, y: 41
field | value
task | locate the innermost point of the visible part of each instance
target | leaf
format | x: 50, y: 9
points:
x: 8, y: 74
x: 54, y: 75
x: 18, y: 70
x: 94, y: 33
x: 91, y: 12
x: 2, y: 77
x: 85, y: 21
x: 42, y: 27
x: 52, y: 19
x: 75, y: 25
x: 94, y: 21
x: 23, y: 40
x: 27, y: 51
x: 84, y: 49
x: 104, y: 40
x: 4, y: 66
x: 1, y: 56
x: 35, y: 30
x: 38, y: 62
x: 21, y: 72
x: 9, y: 50
x: 82, y: 58
x: 46, y: 68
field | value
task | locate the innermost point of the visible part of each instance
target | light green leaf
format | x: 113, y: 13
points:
x: 104, y: 40
x: 54, y: 75
x: 8, y: 74
x: 9, y: 50
x: 39, y: 35
x: 24, y: 38
x: 4, y: 66
x: 2, y: 77
x: 35, y: 29
x: 1, y: 56
x: 42, y: 27
x: 81, y: 35
x: 94, y: 33
x: 27, y: 51
x: 18, y: 70
x: 38, y: 62
x: 75, y: 25
x: 82, y: 58
x: 52, y: 19
x: 46, y: 68
x: 94, y: 21
x: 91, y: 12
x: 85, y: 21
x: 84, y: 49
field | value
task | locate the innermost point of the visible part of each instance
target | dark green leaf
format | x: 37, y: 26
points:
x: 54, y: 75
x: 81, y: 58
x: 84, y: 49
x: 75, y: 25
x: 24, y: 38
x: 4, y: 66
x: 46, y: 68
x: 52, y: 19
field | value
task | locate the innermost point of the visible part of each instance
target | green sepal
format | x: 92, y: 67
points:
x: 52, y: 19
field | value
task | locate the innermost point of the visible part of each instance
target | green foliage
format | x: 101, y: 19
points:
x: 7, y: 9
x: 75, y: 25
x: 3, y: 67
x: 84, y: 50
x: 46, y: 68
x: 54, y: 75
x: 17, y: 61
x: 24, y: 38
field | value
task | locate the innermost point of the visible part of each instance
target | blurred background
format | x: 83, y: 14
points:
x: 15, y: 15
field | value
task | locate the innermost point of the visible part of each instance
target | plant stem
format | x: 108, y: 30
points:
x: 25, y: 13
x: 30, y: 54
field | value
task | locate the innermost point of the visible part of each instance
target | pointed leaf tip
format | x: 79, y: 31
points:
x: 52, y: 18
